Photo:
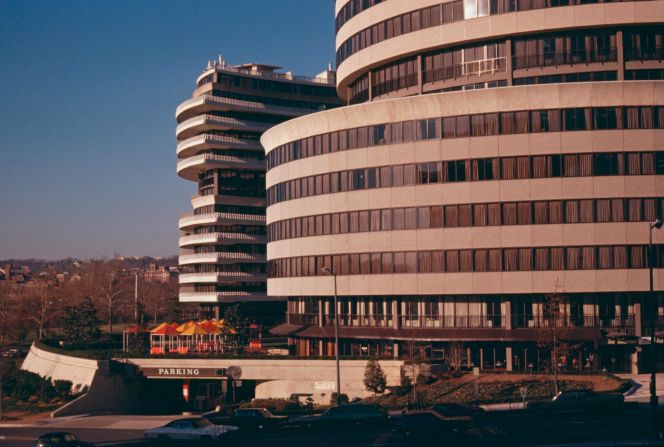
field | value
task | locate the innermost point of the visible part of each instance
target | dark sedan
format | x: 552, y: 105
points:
x: 60, y: 439
x: 427, y: 424
x: 344, y: 416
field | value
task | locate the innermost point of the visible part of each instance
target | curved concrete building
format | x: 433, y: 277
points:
x: 497, y: 159
x: 222, y: 243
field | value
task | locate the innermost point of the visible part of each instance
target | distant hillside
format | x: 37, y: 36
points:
x: 70, y: 264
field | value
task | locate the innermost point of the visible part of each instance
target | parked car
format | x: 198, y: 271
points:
x: 344, y: 416
x: 248, y: 419
x: 569, y: 401
x: 11, y: 353
x: 60, y: 439
x: 197, y: 428
x: 427, y: 424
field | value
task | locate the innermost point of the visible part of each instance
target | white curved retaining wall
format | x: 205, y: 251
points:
x: 81, y: 372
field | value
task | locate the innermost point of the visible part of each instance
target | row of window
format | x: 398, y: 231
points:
x: 259, y: 287
x: 242, y: 229
x: 471, y: 260
x: 431, y: 16
x: 576, y: 306
x: 351, y: 9
x: 252, y: 249
x: 471, y: 215
x: 498, y: 168
x: 252, y: 269
x: 233, y: 209
x: 462, y: 126
x: 248, y: 82
x: 593, y: 76
x: 313, y: 106
x: 462, y: 62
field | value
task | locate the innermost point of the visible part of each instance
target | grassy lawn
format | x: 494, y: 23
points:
x: 499, y: 388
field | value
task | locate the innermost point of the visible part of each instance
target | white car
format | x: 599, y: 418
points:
x: 189, y: 428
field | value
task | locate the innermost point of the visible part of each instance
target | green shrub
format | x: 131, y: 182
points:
x: 28, y: 384
x: 63, y: 388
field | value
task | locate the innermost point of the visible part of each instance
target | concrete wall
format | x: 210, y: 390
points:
x: 281, y: 378
x: 81, y: 372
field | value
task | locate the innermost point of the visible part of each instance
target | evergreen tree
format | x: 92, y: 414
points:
x: 81, y: 323
x: 374, y: 377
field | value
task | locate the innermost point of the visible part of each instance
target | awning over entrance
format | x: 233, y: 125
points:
x: 285, y: 329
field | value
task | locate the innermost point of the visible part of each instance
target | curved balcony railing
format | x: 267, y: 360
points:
x: 212, y: 277
x: 187, y: 220
x: 224, y: 121
x: 466, y: 70
x: 241, y: 103
x: 231, y: 160
x: 218, y: 140
x: 211, y: 238
x: 209, y: 258
x: 221, y: 296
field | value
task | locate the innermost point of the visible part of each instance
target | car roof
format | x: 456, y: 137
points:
x: 187, y: 419
x: 55, y: 433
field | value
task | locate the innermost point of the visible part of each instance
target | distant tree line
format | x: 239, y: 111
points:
x: 102, y: 292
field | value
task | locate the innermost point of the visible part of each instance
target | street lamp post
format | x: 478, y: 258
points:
x: 657, y: 224
x: 336, y: 330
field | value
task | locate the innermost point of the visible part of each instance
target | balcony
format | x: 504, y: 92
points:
x: 612, y: 327
x: 222, y: 238
x: 190, y: 220
x: 190, y: 167
x: 222, y: 297
x: 220, y: 258
x: 198, y: 124
x: 207, y: 103
x: 466, y: 70
x: 221, y: 277
x: 194, y: 145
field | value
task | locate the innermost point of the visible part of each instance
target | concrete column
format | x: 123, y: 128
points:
x: 372, y: 312
x: 634, y: 361
x: 395, y: 350
x: 395, y: 313
x: 638, y: 318
x: 508, y: 358
x: 508, y: 61
x: 419, y: 74
x: 468, y: 357
x: 507, y: 310
x: 621, y: 55
x: 481, y: 365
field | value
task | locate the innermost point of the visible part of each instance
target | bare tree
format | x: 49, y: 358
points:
x: 457, y: 354
x: 37, y: 304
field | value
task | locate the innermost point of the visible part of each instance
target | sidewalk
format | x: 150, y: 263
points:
x: 640, y: 391
x: 115, y: 421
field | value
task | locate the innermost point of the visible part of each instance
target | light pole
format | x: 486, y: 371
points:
x: 336, y: 330
x: 656, y: 225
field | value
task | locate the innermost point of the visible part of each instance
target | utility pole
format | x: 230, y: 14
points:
x: 555, y: 367
x: 336, y: 331
x: 136, y: 299
x: 652, y: 306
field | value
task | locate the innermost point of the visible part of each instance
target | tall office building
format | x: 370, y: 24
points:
x: 490, y: 185
x: 222, y: 243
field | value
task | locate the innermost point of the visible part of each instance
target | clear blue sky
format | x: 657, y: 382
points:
x: 88, y: 91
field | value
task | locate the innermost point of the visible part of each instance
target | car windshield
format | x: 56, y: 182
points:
x: 202, y: 422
